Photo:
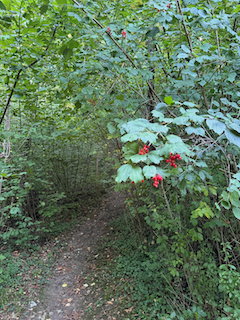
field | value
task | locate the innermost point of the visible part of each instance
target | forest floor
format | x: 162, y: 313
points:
x: 69, y: 292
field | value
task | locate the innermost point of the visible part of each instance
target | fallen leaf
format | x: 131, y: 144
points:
x: 110, y: 302
x: 64, y: 285
x: 128, y: 310
x: 68, y: 304
x: 70, y: 300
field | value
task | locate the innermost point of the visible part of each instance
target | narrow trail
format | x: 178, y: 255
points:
x: 63, y: 298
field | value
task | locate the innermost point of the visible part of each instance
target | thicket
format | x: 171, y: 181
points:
x: 150, y: 88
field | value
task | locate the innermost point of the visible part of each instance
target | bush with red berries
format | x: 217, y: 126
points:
x: 156, y: 179
x: 124, y: 34
x: 144, y: 150
x: 172, y: 159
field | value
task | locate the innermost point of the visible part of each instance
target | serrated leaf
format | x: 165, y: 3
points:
x: 153, y: 158
x: 197, y: 131
x: 182, y: 55
x: 149, y: 171
x: 136, y: 125
x: 136, y: 158
x: 181, y: 121
x: 136, y: 174
x: 123, y: 173
x: 173, y: 138
x: 216, y: 125
x: 158, y: 115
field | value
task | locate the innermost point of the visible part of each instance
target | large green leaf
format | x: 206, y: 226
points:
x: 234, y: 198
x: 138, y: 158
x: 197, y: 131
x: 233, y: 137
x: 216, y: 125
x: 123, y: 173
x: 236, y: 212
x: 136, y: 174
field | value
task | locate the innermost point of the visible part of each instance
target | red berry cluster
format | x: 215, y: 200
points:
x: 156, y: 179
x: 172, y: 159
x: 124, y: 34
x: 144, y: 150
x: 157, y: 9
x: 109, y: 30
x: 169, y: 5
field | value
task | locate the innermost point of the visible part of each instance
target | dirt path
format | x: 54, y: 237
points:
x: 64, y: 298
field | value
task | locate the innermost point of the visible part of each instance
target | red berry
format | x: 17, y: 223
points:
x: 132, y: 182
x: 142, y: 181
x: 175, y: 166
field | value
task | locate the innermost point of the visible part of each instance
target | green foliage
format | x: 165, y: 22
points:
x: 79, y: 101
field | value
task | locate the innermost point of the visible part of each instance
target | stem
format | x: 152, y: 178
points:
x: 166, y: 200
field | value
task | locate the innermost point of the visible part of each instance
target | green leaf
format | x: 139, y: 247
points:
x: 234, y: 198
x: 67, y: 53
x: 236, y: 212
x: 153, y: 158
x: 2, y: 6
x: 233, y: 137
x: 226, y: 204
x: 61, y: 1
x: 75, y: 15
x: 158, y: 115
x: 202, y: 210
x: 136, y: 174
x: 138, y: 158
x: 123, y: 173
x: 130, y: 149
x: 44, y: 9
x: 151, y: 33
x: 168, y: 100
x: 15, y: 210
x: 174, y: 139
x: 149, y: 171
x: 197, y: 131
x: 144, y: 136
x: 111, y: 128
x: 2, y: 257
x: 216, y: 125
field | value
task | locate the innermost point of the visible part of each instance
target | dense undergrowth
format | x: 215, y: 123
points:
x: 149, y: 89
x: 178, y: 280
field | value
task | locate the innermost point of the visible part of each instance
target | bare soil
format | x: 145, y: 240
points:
x: 65, y: 296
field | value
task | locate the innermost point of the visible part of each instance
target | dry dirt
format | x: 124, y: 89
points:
x: 64, y: 297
